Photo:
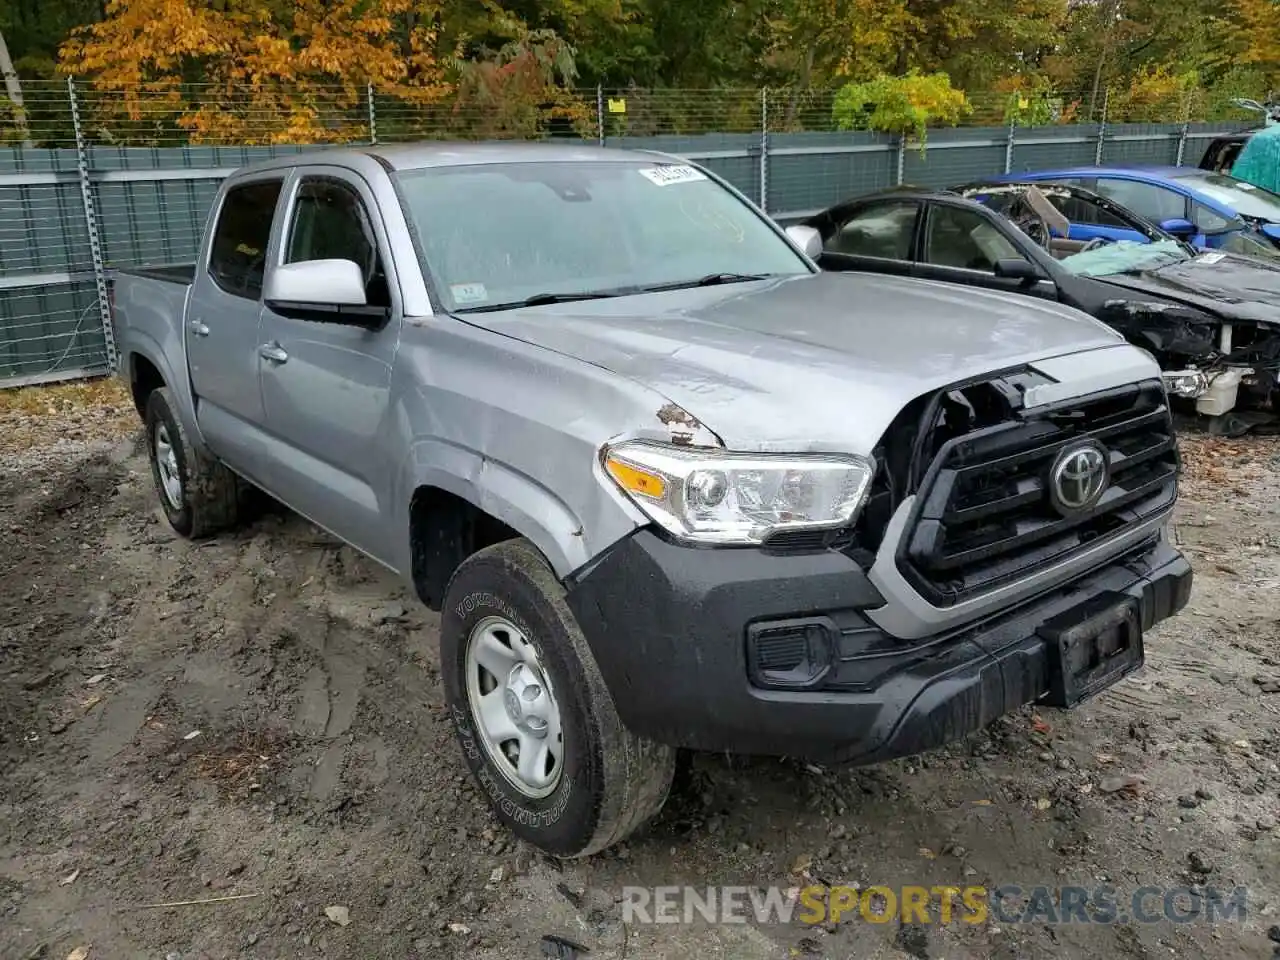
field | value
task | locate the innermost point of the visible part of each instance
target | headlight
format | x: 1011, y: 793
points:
x: 715, y: 496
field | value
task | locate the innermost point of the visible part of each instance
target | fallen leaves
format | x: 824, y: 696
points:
x: 69, y: 879
x: 1129, y: 783
x: 79, y: 953
x: 98, y: 409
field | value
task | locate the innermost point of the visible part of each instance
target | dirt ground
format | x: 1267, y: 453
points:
x: 260, y: 717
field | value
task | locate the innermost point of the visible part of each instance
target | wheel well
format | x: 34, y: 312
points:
x: 144, y: 379
x: 444, y: 530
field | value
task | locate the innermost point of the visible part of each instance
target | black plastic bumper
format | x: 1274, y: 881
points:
x: 676, y: 631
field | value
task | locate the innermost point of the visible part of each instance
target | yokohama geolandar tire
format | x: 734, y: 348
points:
x: 199, y: 496
x: 537, y: 725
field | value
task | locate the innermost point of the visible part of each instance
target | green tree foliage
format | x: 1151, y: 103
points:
x: 902, y: 105
x: 1019, y: 61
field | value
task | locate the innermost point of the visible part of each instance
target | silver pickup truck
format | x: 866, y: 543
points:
x: 668, y: 484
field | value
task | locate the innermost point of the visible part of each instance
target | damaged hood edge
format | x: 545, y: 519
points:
x: 834, y: 379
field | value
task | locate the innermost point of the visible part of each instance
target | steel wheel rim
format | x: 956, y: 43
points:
x: 513, y: 707
x: 167, y: 465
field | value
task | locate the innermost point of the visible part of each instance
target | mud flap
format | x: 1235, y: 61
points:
x: 1091, y: 647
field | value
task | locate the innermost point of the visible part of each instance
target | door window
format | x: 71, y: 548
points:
x: 956, y: 237
x: 1209, y: 222
x: 1145, y: 199
x: 884, y: 231
x: 1080, y: 210
x: 238, y: 258
x: 330, y: 223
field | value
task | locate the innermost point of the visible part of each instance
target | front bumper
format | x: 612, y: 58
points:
x: 680, y: 634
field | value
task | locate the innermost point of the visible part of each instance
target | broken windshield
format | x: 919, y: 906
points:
x: 1124, y: 256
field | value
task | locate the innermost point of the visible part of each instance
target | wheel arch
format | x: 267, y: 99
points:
x: 459, y: 502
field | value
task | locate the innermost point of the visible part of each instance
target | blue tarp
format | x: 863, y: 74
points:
x: 1259, y: 160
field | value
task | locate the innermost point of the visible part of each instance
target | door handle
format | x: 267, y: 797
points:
x: 198, y: 328
x: 273, y: 352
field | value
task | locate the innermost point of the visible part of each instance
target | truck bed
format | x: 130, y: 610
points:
x: 171, y: 272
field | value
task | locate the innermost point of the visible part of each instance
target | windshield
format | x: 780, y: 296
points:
x: 1243, y: 198
x: 498, y: 234
x: 1124, y: 256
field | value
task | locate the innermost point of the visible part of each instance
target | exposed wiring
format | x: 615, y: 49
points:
x: 70, y: 343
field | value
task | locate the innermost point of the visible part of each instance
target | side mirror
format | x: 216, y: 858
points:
x: 807, y: 239
x: 1015, y: 268
x: 1180, y: 227
x: 325, y: 291
x: 325, y: 283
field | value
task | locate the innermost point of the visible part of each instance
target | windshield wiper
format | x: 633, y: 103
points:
x: 710, y: 280
x: 540, y: 299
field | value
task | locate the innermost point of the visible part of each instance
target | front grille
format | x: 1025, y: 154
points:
x: 984, y: 515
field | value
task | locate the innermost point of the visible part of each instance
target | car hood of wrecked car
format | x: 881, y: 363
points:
x: 1232, y: 286
x: 816, y: 361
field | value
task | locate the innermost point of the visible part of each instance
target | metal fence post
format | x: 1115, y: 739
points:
x: 1008, y: 144
x: 373, y: 115
x: 600, y: 114
x: 902, y: 158
x: 1102, y: 128
x: 91, y: 224
x: 764, y: 149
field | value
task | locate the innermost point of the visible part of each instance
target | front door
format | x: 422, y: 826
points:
x: 222, y: 322
x: 960, y: 245
x: 325, y: 386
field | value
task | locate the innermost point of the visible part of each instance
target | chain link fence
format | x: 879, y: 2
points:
x: 92, y: 180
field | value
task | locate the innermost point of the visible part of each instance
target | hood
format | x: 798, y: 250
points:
x: 1230, y: 286
x: 814, y: 362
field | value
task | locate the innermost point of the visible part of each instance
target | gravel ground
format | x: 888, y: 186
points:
x: 260, y: 717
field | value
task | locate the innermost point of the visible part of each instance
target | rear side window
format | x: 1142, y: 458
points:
x: 239, y: 256
x: 884, y: 231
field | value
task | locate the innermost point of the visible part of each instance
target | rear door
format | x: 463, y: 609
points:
x: 878, y: 236
x: 326, y: 385
x: 222, y: 322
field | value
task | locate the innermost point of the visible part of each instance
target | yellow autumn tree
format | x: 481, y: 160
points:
x: 1257, y: 35
x: 255, y: 71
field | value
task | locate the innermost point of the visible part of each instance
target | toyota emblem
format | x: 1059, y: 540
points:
x: 1078, y: 478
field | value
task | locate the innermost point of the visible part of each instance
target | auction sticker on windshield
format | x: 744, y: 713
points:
x: 1210, y: 258
x: 469, y: 292
x: 672, y: 173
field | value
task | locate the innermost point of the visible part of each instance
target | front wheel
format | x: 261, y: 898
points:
x: 535, y: 720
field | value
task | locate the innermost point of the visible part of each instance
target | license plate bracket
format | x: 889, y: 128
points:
x: 1091, y: 647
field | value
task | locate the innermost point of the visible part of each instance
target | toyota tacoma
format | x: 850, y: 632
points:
x: 668, y: 484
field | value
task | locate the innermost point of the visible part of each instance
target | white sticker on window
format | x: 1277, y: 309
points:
x: 1210, y: 258
x: 469, y: 292
x: 672, y: 173
x: 1245, y: 186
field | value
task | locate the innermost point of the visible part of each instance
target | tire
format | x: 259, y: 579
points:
x: 610, y: 781
x: 199, y: 496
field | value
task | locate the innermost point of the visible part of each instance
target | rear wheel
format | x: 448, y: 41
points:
x: 537, y: 725
x: 199, y: 496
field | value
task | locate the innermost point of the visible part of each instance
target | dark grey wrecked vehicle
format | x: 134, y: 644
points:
x: 1211, y: 319
x: 669, y: 485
